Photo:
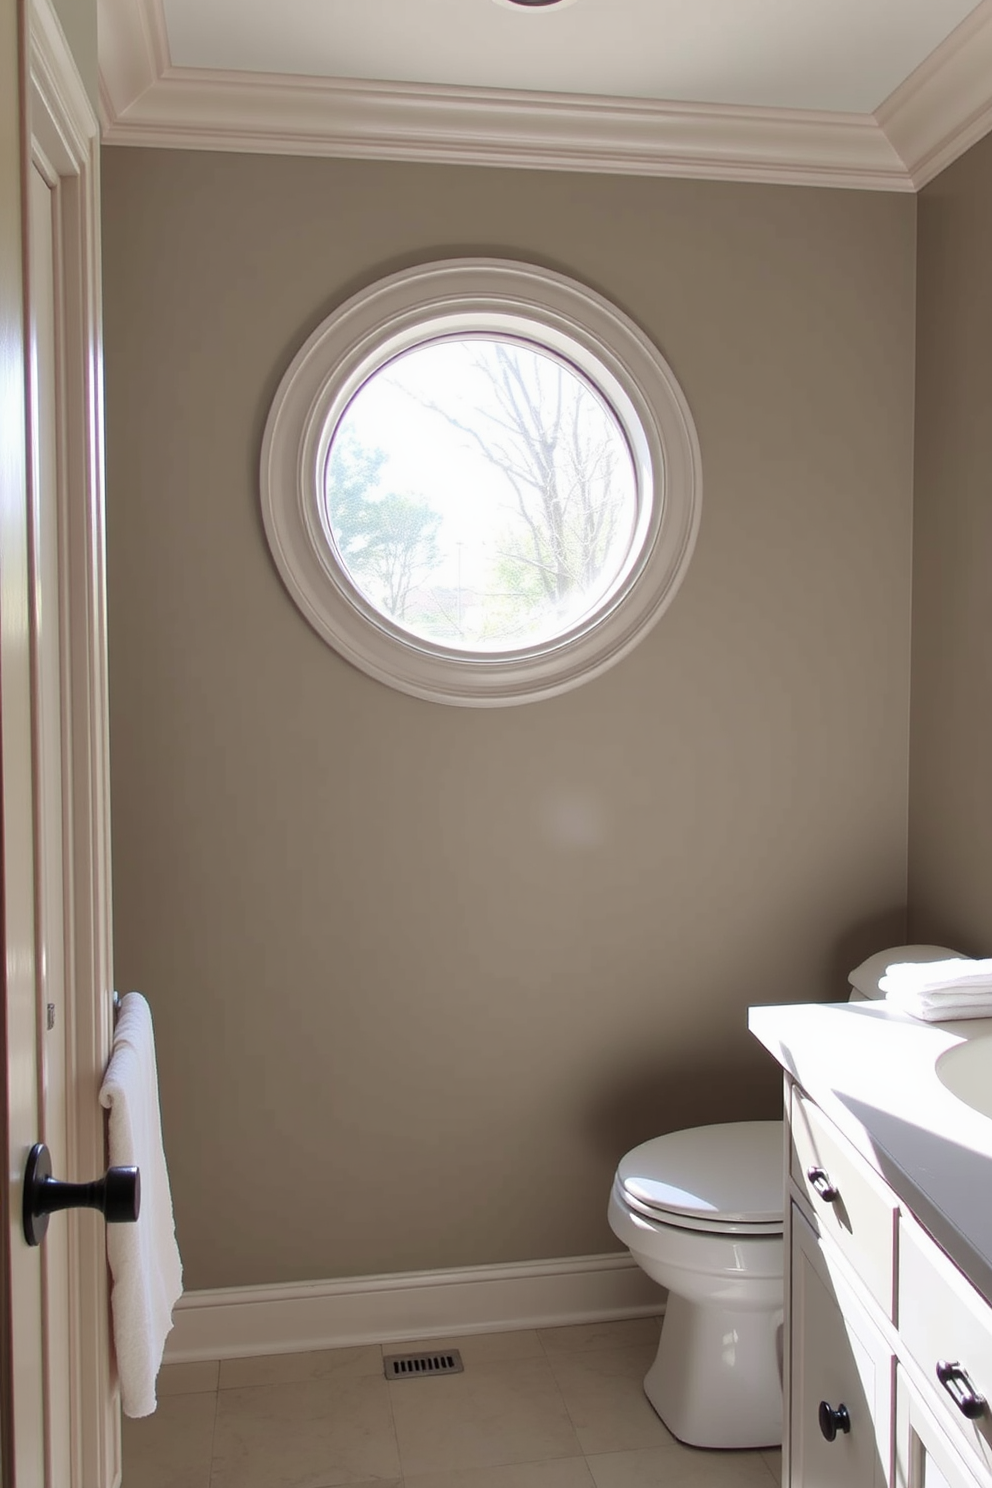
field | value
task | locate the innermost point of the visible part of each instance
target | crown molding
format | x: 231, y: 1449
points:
x: 945, y: 106
x: 936, y: 114
x: 194, y: 109
x: 134, y: 53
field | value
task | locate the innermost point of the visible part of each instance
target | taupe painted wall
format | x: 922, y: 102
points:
x: 409, y: 1013
x: 950, y: 877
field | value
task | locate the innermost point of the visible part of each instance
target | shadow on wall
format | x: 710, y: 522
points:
x: 928, y: 930
x: 866, y: 939
x: 656, y: 1098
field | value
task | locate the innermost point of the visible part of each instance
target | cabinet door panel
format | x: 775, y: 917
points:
x: 942, y: 1319
x: 925, y: 1457
x: 838, y: 1358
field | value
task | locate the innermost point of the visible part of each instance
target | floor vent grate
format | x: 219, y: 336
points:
x: 412, y: 1366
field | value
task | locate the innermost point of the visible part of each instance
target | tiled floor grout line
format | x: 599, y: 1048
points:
x: 213, y: 1432
x: 392, y: 1416
x: 568, y: 1413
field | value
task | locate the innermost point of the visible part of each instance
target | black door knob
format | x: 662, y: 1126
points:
x: 833, y: 1418
x: 117, y: 1195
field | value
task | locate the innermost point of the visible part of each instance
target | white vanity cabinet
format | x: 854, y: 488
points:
x: 876, y: 1318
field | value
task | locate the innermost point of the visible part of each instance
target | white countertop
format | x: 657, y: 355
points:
x: 872, y: 1071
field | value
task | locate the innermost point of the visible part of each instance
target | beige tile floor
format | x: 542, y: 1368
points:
x: 551, y: 1408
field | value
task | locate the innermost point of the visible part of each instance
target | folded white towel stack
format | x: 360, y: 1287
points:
x: 940, y: 991
x: 144, y: 1257
x: 866, y: 977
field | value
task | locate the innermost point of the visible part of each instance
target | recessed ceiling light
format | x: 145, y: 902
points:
x: 534, y: 4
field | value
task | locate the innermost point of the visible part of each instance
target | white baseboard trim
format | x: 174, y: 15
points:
x: 238, y: 1321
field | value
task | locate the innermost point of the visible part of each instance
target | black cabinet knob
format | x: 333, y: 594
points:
x: 117, y: 1194
x: 833, y: 1418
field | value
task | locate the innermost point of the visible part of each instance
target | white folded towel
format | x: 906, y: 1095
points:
x: 144, y: 1257
x: 960, y: 973
x: 865, y: 978
x: 940, y: 991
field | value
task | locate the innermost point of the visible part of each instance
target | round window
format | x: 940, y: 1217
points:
x: 480, y: 482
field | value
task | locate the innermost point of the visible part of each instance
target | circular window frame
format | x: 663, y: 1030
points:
x: 530, y: 304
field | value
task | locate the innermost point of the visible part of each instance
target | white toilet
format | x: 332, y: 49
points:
x: 701, y: 1212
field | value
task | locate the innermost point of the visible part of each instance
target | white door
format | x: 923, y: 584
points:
x: 61, y: 1415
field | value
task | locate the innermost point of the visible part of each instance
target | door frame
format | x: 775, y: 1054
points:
x: 60, y: 131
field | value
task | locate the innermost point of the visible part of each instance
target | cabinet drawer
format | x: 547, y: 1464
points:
x: 849, y: 1201
x: 944, y: 1321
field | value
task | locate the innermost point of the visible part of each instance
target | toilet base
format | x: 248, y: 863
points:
x: 717, y: 1380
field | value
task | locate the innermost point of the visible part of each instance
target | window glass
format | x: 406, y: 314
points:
x: 481, y: 492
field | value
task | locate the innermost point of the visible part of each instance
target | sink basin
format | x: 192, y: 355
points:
x: 966, y: 1071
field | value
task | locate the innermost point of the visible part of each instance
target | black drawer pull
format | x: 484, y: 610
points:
x: 833, y: 1418
x: 957, y: 1384
x: 820, y: 1180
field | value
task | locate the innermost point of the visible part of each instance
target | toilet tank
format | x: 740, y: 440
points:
x: 864, y: 978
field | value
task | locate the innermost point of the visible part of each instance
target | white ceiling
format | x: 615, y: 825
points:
x: 879, y: 95
x: 836, y: 55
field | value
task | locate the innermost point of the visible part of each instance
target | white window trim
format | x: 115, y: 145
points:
x: 520, y: 300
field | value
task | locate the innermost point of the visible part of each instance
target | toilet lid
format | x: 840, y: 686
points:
x: 730, y: 1174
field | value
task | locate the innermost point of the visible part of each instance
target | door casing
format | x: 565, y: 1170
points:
x: 60, y: 140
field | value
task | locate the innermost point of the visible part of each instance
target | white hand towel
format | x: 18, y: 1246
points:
x: 941, y: 1007
x: 865, y: 978
x: 960, y: 974
x: 940, y: 991
x: 144, y: 1257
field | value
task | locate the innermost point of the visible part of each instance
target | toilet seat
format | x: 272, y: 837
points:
x: 697, y: 1223
x: 724, y: 1179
